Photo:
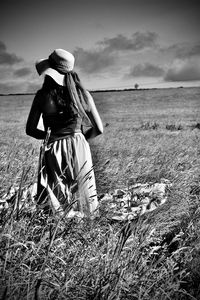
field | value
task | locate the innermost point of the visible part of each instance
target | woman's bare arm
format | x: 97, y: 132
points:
x: 33, y: 119
x: 91, y: 112
x: 94, y: 117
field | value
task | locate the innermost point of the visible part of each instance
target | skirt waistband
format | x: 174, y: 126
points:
x: 61, y: 135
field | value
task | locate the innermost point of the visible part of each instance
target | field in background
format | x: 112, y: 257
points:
x: 148, y: 135
x: 147, y: 132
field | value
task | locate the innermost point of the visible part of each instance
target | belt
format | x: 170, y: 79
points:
x: 61, y: 134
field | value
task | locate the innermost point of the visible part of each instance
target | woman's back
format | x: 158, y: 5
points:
x: 58, y: 110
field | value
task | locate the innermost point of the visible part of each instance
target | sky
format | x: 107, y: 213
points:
x: 116, y: 44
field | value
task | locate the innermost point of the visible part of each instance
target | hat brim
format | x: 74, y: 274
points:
x: 43, y: 67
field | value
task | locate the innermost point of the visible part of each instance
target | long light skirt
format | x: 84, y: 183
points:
x: 66, y: 176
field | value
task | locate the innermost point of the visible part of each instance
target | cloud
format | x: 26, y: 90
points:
x: 19, y: 86
x: 138, y: 41
x: 93, y: 61
x: 2, y: 47
x: 22, y: 72
x: 33, y: 87
x: 7, y: 58
x: 13, y: 72
x: 106, y: 54
x: 6, y: 72
x: 182, y: 50
x: 188, y: 51
x: 183, y: 70
x: 146, y: 70
x: 11, y: 87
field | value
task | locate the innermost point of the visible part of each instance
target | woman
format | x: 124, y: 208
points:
x: 65, y: 173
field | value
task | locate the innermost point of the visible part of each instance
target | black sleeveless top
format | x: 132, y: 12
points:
x: 65, y: 120
x: 60, y: 122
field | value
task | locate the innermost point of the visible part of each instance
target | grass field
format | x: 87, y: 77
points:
x: 148, y: 135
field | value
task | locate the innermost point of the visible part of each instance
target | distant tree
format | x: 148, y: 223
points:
x: 136, y: 86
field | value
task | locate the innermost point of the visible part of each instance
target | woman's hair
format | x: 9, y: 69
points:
x: 58, y: 93
x: 61, y: 97
x: 69, y: 99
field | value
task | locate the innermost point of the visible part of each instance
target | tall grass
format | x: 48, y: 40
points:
x: 153, y: 257
x: 45, y: 257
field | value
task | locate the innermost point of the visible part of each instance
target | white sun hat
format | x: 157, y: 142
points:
x: 57, y: 65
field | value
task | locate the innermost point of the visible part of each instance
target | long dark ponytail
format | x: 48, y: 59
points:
x: 59, y: 94
x: 70, y: 99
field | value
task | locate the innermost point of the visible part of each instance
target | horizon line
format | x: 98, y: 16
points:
x: 109, y: 90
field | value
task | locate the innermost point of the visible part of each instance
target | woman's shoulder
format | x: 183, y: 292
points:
x: 39, y: 98
x: 39, y: 93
